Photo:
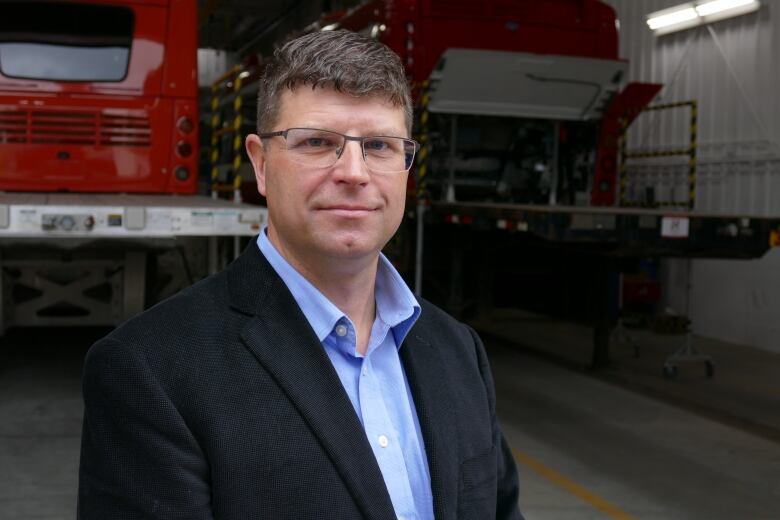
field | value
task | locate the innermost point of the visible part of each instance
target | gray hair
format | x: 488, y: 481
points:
x: 343, y: 60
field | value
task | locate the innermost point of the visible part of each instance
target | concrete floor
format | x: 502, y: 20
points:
x: 40, y: 421
x: 744, y: 392
x: 586, y: 447
x: 628, y: 455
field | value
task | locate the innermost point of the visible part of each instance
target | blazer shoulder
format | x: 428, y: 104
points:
x: 204, y: 317
x: 183, y: 315
x: 437, y: 326
x: 433, y: 317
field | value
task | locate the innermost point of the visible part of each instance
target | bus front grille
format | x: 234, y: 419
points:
x: 95, y: 128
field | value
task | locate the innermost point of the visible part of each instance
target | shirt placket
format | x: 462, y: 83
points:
x: 383, y: 435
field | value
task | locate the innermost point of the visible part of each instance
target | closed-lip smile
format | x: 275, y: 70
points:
x: 348, y: 211
x: 347, y: 207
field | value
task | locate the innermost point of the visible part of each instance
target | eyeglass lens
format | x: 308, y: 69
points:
x: 321, y: 148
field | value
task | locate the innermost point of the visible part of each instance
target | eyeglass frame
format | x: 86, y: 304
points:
x: 361, y: 140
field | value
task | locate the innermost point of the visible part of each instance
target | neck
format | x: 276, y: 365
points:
x: 348, y: 283
x: 355, y: 298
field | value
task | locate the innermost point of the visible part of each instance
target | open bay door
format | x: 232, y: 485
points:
x: 515, y: 84
x: 503, y: 113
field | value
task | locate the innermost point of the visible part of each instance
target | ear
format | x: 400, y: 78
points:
x: 256, y: 152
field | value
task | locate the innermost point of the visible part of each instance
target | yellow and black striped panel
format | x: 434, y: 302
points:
x: 692, y: 159
x: 215, y: 122
x: 422, y: 136
x: 690, y: 151
x: 774, y: 238
x: 667, y: 106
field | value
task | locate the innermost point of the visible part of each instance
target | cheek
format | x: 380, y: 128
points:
x: 396, y: 203
x: 397, y: 192
x: 288, y: 193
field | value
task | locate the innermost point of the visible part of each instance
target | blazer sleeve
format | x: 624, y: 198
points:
x: 138, y: 457
x: 508, y: 489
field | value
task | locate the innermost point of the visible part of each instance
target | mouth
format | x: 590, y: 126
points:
x: 348, y: 210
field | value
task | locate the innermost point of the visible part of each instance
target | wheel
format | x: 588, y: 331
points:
x: 710, y: 366
x: 670, y: 371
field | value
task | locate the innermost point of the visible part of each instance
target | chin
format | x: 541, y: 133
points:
x: 350, y: 246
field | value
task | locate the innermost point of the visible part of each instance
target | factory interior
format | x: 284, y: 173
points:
x: 595, y: 190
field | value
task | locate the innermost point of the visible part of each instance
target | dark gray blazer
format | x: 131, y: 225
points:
x: 221, y: 403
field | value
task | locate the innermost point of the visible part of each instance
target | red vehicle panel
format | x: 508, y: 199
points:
x: 108, y: 104
x: 421, y: 30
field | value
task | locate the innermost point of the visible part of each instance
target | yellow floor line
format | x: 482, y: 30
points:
x: 572, y: 487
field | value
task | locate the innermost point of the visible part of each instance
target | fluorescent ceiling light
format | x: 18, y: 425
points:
x: 719, y: 6
x: 673, y: 18
x: 692, y: 14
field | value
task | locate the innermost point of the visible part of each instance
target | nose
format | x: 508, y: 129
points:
x: 350, y: 166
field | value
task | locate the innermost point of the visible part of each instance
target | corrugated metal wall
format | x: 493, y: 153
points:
x: 731, y: 70
x: 734, y: 79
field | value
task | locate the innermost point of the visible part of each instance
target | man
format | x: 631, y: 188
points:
x: 305, y: 381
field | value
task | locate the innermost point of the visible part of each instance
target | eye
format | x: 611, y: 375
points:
x: 306, y: 139
x: 317, y: 142
x: 376, y: 145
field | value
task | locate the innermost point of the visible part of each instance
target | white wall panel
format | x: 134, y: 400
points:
x: 746, y: 310
x: 739, y: 154
x: 738, y: 127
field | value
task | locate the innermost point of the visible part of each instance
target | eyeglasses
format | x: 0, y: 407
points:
x: 322, y: 148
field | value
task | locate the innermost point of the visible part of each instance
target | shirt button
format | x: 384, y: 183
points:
x: 383, y: 441
x: 365, y: 371
x: 341, y: 330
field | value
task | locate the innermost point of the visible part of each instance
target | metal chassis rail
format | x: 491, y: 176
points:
x: 613, y: 232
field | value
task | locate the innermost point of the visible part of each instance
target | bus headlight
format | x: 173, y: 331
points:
x: 185, y: 125
x: 182, y: 173
x: 183, y: 149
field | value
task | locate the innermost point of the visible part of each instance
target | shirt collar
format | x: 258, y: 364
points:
x: 319, y: 311
x: 395, y: 303
x: 396, y: 306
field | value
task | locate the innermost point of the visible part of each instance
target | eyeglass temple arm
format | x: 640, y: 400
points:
x: 273, y: 134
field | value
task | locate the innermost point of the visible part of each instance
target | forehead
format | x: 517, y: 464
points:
x: 329, y: 109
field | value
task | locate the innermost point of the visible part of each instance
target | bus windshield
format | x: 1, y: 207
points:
x: 65, y: 41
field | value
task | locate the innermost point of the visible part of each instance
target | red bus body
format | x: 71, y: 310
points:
x: 565, y: 27
x: 421, y: 30
x: 138, y: 133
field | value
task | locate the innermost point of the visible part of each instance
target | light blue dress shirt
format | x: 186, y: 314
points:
x: 375, y: 383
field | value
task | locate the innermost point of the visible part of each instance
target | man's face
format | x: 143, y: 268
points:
x: 337, y: 213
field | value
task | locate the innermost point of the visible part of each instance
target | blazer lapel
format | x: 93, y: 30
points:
x: 429, y: 382
x: 282, y: 341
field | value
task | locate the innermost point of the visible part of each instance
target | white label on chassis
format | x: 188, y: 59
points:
x: 675, y: 227
x: 224, y: 220
x: 202, y: 218
x: 86, y: 221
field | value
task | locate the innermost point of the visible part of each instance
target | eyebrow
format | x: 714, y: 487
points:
x: 382, y: 132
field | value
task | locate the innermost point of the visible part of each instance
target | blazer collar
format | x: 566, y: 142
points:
x: 282, y: 341
x: 429, y: 381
